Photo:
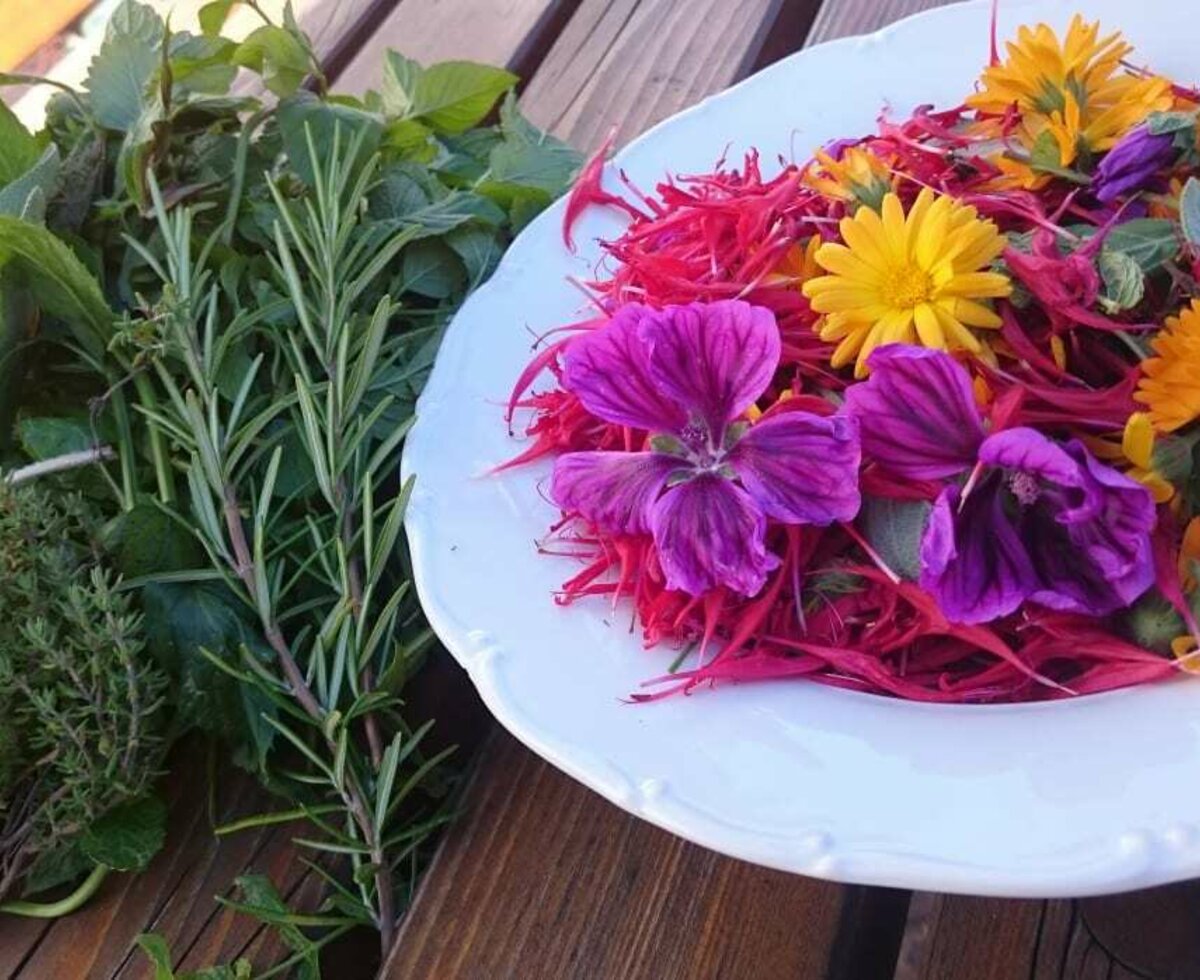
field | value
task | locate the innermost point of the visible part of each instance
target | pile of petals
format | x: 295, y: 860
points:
x: 916, y: 417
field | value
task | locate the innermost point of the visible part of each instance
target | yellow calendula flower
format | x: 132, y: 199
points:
x: 1170, y: 382
x: 1075, y: 89
x: 1137, y: 446
x: 858, y: 175
x: 910, y: 279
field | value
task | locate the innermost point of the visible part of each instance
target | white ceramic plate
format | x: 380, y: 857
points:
x: 1072, y: 798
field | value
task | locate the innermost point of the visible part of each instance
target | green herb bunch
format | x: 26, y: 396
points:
x: 82, y: 714
x: 234, y: 304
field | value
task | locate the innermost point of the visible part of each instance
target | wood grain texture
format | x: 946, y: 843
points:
x: 511, y: 33
x: 175, y: 896
x: 1146, y: 935
x: 630, y: 63
x: 841, y: 18
x: 541, y: 878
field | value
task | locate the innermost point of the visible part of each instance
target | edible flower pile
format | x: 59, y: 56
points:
x: 916, y: 417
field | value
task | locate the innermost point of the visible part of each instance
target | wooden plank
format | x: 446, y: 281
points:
x: 512, y: 33
x: 541, y: 878
x: 631, y: 63
x: 840, y: 18
x: 175, y: 896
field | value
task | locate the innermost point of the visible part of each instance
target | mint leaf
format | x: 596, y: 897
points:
x: 1154, y: 622
x: 450, y: 97
x: 1124, y: 281
x: 18, y: 148
x: 44, y: 438
x: 327, y: 122
x: 479, y: 251
x: 145, y: 540
x: 212, y: 15
x: 895, y: 529
x: 430, y: 268
x: 61, y: 283
x: 1189, y: 211
x: 200, y: 63
x: 120, y: 73
x: 159, y: 954
x: 127, y: 836
x: 277, y: 55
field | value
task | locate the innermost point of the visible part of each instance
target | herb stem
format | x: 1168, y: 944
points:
x: 64, y: 906
x: 59, y: 464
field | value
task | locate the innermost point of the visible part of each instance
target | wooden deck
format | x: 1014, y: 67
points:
x: 540, y: 878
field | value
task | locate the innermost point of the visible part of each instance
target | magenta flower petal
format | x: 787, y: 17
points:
x: 616, y: 491
x: 709, y: 532
x: 1030, y: 452
x: 916, y: 414
x: 1090, y: 540
x: 609, y: 370
x: 801, y: 468
x: 973, y: 561
x: 715, y: 359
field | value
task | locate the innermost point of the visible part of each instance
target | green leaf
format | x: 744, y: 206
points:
x: 17, y: 323
x: 479, y: 250
x: 184, y: 618
x: 201, y: 63
x: 409, y: 139
x: 1154, y: 622
x: 529, y: 160
x: 44, y: 438
x: 1124, y: 281
x: 895, y: 528
x: 159, y: 954
x: 1173, y: 457
x: 450, y: 97
x: 1189, y: 211
x: 260, y: 893
x: 212, y: 16
x: 26, y: 196
x: 1046, y: 157
x: 431, y: 269
x: 305, y: 111
x: 145, y: 540
x: 61, y: 283
x: 277, y: 55
x: 127, y: 836
x: 18, y: 148
x: 1161, y: 123
x: 119, y: 75
x: 1148, y: 241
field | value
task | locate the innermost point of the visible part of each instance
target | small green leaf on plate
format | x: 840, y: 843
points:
x: 1189, y: 211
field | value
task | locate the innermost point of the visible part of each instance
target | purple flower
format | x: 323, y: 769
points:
x: 1129, y: 166
x: 1038, y: 521
x: 687, y: 375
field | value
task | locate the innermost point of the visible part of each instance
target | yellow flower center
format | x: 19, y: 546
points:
x: 907, y: 286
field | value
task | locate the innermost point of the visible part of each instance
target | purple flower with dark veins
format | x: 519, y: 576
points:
x: 710, y: 480
x: 1129, y: 166
x: 1036, y: 521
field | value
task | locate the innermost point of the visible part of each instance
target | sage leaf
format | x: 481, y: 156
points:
x: 18, y: 148
x: 1189, y: 211
x: 895, y: 529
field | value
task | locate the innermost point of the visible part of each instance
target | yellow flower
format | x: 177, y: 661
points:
x: 1170, y: 382
x: 907, y: 279
x: 799, y: 263
x: 1137, y: 445
x: 858, y: 176
x: 1075, y: 89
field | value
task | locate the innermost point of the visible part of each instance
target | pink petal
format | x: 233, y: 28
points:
x: 615, y: 491
x: 609, y: 370
x: 709, y: 532
x: 916, y: 414
x: 715, y: 359
x: 801, y: 468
